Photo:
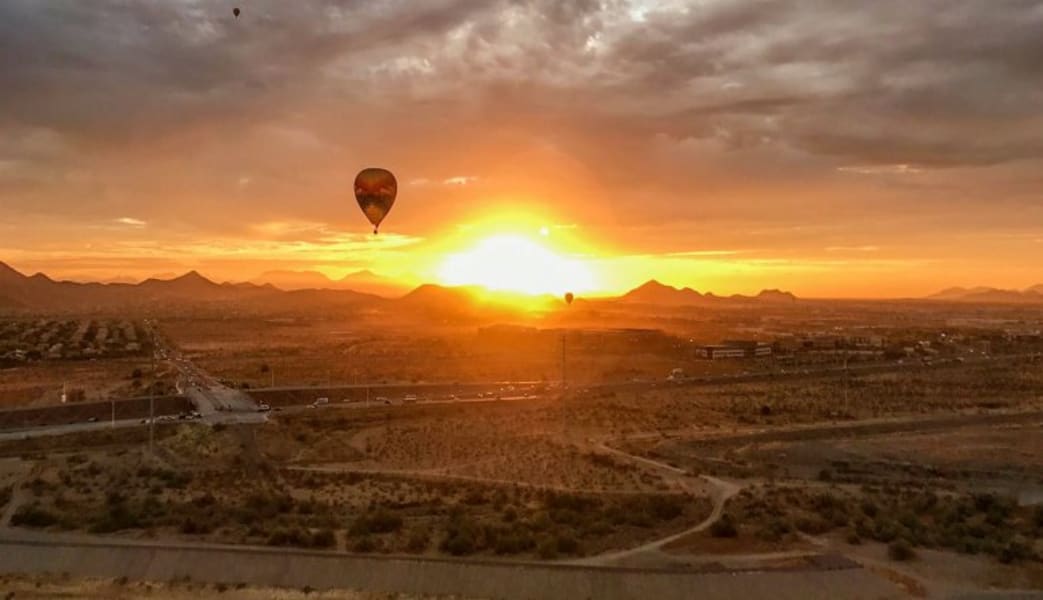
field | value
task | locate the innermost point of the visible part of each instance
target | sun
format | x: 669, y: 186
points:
x: 515, y: 263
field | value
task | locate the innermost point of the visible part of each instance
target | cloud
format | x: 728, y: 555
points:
x: 130, y: 222
x: 852, y: 249
x: 460, y: 180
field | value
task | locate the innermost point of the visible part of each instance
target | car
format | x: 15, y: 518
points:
x: 264, y: 408
x: 321, y: 401
x: 92, y: 420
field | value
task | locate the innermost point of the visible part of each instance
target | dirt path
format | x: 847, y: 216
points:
x: 720, y: 492
x: 18, y: 497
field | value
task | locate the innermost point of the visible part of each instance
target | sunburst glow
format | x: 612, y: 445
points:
x: 516, y: 264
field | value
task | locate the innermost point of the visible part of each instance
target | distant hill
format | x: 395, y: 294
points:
x: 40, y: 292
x: 654, y: 292
x: 192, y: 290
x: 989, y: 295
x: 361, y: 281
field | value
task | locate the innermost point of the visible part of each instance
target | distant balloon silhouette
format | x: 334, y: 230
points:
x: 375, y: 191
x: 235, y: 11
x: 568, y: 298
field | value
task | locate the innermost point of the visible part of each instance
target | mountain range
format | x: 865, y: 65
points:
x: 359, y: 281
x: 312, y: 290
x: 991, y: 295
x: 653, y: 292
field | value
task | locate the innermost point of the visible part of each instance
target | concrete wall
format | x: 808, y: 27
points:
x: 472, y: 579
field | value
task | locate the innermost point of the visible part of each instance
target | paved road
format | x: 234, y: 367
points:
x: 518, y: 390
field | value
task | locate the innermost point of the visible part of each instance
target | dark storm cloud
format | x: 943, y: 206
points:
x: 933, y: 83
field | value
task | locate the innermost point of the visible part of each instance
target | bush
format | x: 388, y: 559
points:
x: 289, y: 537
x: 364, y: 544
x: 324, y: 538
x: 460, y: 543
x: 1015, y: 551
x: 380, y: 521
x: 33, y: 516
x: 853, y: 538
x: 513, y: 542
x: 724, y: 528
x: 510, y: 514
x: 567, y: 544
x: 900, y: 550
x: 547, y: 549
x: 418, y: 541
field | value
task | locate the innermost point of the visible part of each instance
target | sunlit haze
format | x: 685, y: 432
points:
x: 514, y: 263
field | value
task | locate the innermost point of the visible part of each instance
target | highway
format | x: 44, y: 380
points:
x: 218, y: 403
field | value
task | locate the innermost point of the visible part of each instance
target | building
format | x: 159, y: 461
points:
x: 734, y: 349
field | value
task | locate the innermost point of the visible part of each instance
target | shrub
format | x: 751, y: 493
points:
x: 460, y: 543
x: 364, y: 544
x: 724, y: 528
x: 853, y: 538
x: 380, y: 521
x: 324, y: 538
x: 513, y: 542
x: 869, y: 508
x: 900, y: 550
x: 567, y: 544
x: 418, y: 541
x: 1015, y: 551
x: 547, y: 549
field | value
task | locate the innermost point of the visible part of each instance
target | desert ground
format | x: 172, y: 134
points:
x: 914, y: 471
x: 922, y: 475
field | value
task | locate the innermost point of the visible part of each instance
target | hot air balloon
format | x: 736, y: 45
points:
x: 235, y: 11
x: 375, y: 190
x: 568, y: 298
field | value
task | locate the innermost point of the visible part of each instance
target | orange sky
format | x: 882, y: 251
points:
x: 724, y: 146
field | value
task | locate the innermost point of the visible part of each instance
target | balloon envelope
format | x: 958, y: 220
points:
x: 235, y: 11
x: 568, y: 298
x: 375, y: 190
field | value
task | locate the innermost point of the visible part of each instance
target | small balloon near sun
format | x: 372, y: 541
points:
x: 544, y: 231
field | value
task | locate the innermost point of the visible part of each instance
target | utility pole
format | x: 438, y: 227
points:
x: 271, y: 371
x: 113, y: 421
x: 152, y: 400
x: 564, y: 373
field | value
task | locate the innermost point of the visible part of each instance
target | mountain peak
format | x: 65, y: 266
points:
x: 776, y: 295
x: 8, y: 272
x: 654, y: 292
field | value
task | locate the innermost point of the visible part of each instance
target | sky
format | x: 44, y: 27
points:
x: 834, y: 148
